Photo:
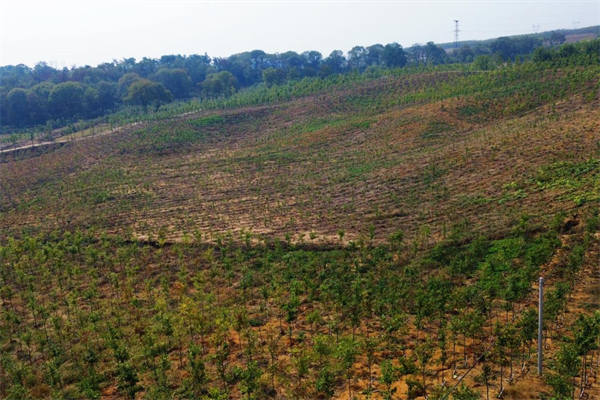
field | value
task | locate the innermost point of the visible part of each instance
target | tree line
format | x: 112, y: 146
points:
x: 46, y: 95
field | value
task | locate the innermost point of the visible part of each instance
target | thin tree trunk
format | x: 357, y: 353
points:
x: 501, y: 380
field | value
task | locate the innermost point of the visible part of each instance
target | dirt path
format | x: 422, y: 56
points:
x: 69, y: 138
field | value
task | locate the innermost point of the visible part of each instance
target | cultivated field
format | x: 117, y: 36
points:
x: 354, y: 237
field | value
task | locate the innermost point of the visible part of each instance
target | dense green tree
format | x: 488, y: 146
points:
x: 464, y: 54
x: 312, y: 60
x: 433, y: 54
x: 17, y: 107
x: 107, y: 95
x: 145, y: 93
x: 509, y: 48
x: 484, y: 63
x: 556, y: 38
x: 542, y: 54
x: 393, y: 56
x: 374, y: 54
x: 42, y: 72
x: 357, y: 58
x: 91, y: 101
x: 290, y: 59
x: 43, y: 90
x: 66, y: 100
x: 273, y: 76
x: 146, y: 67
x: 38, y: 109
x: 219, y: 84
x: 196, y: 67
x: 325, y: 71
x: 416, y: 53
x: 125, y: 82
x: 336, y: 61
x: 175, y: 81
x: 38, y: 102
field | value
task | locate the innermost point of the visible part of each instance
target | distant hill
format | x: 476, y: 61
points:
x: 573, y: 36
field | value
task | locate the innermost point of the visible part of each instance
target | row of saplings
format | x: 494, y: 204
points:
x: 78, y: 312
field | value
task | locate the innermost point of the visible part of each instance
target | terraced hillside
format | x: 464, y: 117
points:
x: 359, y: 236
x: 352, y: 156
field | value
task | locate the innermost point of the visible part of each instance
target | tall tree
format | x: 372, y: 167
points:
x: 336, y: 61
x: 145, y: 93
x: 175, y: 81
x: 393, y: 55
x: 219, y: 84
x: 125, y: 82
x: 107, y: 95
x: 357, y: 58
x: 374, y: 54
x: 273, y: 76
x: 556, y: 38
x: 66, y: 100
x: 17, y: 107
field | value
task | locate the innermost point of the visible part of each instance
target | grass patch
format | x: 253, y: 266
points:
x: 580, y: 181
x: 434, y: 129
x: 207, y: 121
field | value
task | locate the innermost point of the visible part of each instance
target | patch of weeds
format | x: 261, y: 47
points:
x: 356, y: 171
x: 566, y: 174
x: 432, y: 173
x: 314, y: 125
x: 477, y: 199
x: 361, y: 125
x: 580, y: 181
x: 205, y: 121
x: 470, y: 113
x: 516, y: 195
x: 434, y: 129
x: 510, y: 186
x: 512, y: 191
x: 101, y: 197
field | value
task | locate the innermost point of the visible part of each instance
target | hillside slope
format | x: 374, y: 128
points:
x: 347, y: 158
x: 362, y: 237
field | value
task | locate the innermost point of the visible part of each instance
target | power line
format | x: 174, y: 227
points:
x: 536, y: 28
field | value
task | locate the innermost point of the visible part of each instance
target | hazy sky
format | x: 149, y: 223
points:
x: 66, y: 33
